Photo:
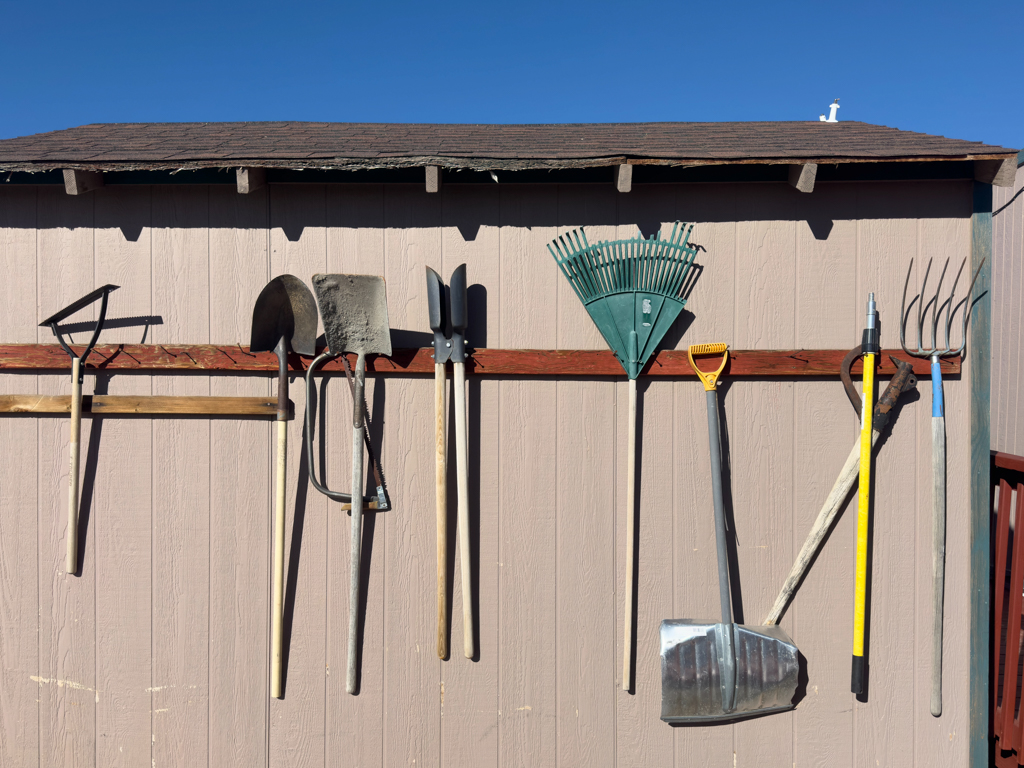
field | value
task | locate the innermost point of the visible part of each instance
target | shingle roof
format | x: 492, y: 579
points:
x: 131, y: 146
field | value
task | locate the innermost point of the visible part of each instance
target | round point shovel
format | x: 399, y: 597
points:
x: 284, y: 317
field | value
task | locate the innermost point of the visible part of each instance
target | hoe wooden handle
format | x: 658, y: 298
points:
x: 441, y: 492
x: 71, y: 564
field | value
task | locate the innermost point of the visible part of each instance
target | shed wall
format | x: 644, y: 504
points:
x: 1008, y: 317
x: 157, y: 654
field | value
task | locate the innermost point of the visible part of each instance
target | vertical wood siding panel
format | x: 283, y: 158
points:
x: 819, y: 619
x: 884, y: 723
x: 469, y: 735
x: 1007, y: 304
x: 19, y: 548
x: 67, y: 604
x: 591, y: 430
x: 412, y: 674
x: 695, y: 576
x: 298, y: 246
x: 354, y: 730
x: 123, y: 496
x: 529, y: 310
x: 641, y: 737
x: 181, y: 487
x: 240, y: 493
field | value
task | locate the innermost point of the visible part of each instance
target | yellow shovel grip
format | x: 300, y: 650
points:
x: 709, y: 378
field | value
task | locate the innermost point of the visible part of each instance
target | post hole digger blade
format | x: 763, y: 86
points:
x: 101, y: 294
x: 283, y: 318
x: 720, y: 671
x: 354, y: 309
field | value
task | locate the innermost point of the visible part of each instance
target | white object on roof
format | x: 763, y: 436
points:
x: 831, y: 113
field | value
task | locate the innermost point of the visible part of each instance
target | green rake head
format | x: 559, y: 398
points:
x: 633, y: 289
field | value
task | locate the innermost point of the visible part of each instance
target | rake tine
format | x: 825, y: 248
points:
x: 936, y: 309
x: 949, y: 305
x: 904, y: 313
x: 921, y: 306
x: 968, y: 308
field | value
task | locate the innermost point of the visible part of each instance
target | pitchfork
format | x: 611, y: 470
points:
x: 936, y: 351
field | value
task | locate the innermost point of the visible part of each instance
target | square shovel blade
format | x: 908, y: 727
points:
x: 354, y: 309
x: 767, y: 671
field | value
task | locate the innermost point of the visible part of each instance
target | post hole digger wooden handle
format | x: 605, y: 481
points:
x: 441, y: 500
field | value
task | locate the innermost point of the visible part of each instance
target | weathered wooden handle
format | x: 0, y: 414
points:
x: 462, y: 470
x: 357, y: 524
x: 938, y: 555
x: 71, y: 564
x: 627, y: 631
x: 277, y: 620
x: 441, y: 498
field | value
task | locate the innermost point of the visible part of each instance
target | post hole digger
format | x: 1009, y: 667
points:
x: 713, y: 672
x: 354, y: 310
x: 449, y: 316
x: 633, y: 290
x: 77, y: 361
x: 283, y: 318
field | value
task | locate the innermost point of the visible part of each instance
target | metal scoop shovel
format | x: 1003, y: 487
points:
x: 713, y: 672
x: 354, y: 309
x: 284, y: 317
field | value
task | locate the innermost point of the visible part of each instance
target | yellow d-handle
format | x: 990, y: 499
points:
x: 710, y: 379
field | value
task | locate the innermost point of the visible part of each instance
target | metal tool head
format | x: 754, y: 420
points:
x: 285, y: 309
x: 693, y: 658
x: 942, y: 343
x: 437, y: 309
x: 459, y: 313
x: 51, y: 322
x: 354, y: 309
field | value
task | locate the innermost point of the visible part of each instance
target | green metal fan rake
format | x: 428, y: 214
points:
x: 633, y: 290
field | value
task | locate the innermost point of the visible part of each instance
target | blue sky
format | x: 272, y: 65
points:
x: 950, y: 69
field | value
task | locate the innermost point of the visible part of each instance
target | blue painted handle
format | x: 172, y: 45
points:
x: 937, y: 405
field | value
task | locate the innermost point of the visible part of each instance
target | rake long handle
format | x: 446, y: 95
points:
x: 938, y: 533
x: 277, y: 620
x: 857, y: 674
x: 71, y: 561
x: 357, y: 522
x: 462, y: 470
x: 441, y: 499
x: 627, y: 637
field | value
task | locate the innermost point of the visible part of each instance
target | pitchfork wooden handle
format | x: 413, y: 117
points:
x: 441, y: 498
x: 71, y: 563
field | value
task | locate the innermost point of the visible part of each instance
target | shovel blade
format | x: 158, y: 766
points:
x: 284, y: 309
x: 354, y: 309
x: 767, y: 671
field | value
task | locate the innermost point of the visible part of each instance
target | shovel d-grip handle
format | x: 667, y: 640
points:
x: 708, y: 378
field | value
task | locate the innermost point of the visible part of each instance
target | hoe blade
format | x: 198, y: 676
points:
x: 691, y: 685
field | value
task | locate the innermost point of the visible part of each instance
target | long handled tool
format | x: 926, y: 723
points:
x: 437, y: 308
x: 713, y: 672
x: 871, y: 348
x: 935, y: 352
x: 354, y: 309
x: 283, y: 318
x: 71, y: 560
x: 903, y: 381
x: 633, y: 290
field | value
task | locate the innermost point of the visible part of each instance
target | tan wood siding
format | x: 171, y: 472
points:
x: 1008, y: 317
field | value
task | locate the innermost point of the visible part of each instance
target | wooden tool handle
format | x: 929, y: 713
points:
x: 462, y: 471
x: 277, y: 620
x: 938, y: 555
x: 627, y: 621
x: 357, y: 524
x: 441, y: 491
x: 71, y: 564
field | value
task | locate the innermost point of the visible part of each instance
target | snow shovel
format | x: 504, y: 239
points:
x: 284, y: 318
x: 354, y: 309
x: 71, y: 560
x: 714, y: 672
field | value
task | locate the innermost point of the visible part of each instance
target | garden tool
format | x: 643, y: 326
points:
x: 448, y: 321
x: 284, y: 318
x: 713, y: 672
x: 77, y: 375
x: 903, y: 381
x: 633, y: 290
x: 935, y: 352
x: 870, y: 347
x: 354, y: 309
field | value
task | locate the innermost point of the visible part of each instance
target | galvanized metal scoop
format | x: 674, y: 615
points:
x: 712, y: 672
x: 354, y: 309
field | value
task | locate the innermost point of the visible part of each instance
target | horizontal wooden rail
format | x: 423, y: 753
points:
x: 142, y: 405
x: 234, y: 358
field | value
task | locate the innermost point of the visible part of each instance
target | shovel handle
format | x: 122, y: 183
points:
x: 441, y: 499
x: 462, y: 471
x: 277, y: 641
x: 357, y: 524
x: 71, y: 562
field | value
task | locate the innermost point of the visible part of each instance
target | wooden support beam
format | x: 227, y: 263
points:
x: 143, y: 405
x: 250, y: 179
x: 433, y: 178
x: 802, y: 175
x: 624, y: 177
x: 80, y: 182
x: 236, y: 359
x: 998, y: 173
